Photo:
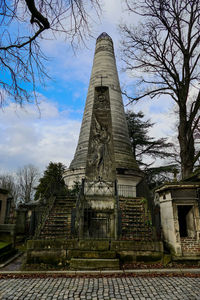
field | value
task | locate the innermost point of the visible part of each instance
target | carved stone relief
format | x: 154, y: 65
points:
x: 100, y: 162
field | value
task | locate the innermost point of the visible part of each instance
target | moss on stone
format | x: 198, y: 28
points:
x: 94, y: 264
x: 157, y: 257
x: 46, y: 244
x: 127, y: 258
x: 52, y: 257
x: 166, y: 259
x: 90, y: 254
x: 3, y: 244
x: 134, y: 245
x: 98, y: 245
x: 139, y: 256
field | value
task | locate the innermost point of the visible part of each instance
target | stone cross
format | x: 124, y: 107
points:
x: 102, y: 78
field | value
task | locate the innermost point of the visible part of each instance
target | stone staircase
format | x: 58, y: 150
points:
x: 135, y: 220
x: 58, y: 223
x: 94, y: 260
x: 93, y: 255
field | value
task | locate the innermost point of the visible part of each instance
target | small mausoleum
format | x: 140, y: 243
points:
x: 179, y: 204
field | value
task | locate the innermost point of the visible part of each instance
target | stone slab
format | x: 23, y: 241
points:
x: 94, y: 264
x: 91, y: 254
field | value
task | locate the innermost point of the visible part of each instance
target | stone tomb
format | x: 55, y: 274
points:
x: 106, y: 209
x: 180, y: 220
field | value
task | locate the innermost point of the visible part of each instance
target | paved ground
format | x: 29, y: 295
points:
x: 101, y: 288
x: 14, y: 265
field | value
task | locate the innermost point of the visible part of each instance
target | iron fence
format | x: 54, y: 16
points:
x: 126, y: 191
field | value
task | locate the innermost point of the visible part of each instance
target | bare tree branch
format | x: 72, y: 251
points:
x: 165, y: 50
x: 23, y: 24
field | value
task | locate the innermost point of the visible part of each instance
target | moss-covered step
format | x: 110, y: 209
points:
x: 94, y: 264
x: 46, y: 256
x: 91, y: 254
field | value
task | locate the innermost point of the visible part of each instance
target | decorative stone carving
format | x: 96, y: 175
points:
x: 100, y: 163
x: 100, y: 146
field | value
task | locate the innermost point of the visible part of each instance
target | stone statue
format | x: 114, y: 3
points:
x: 100, y: 148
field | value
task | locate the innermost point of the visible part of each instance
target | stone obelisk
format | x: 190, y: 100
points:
x: 104, y: 148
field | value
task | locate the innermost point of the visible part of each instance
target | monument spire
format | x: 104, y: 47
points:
x: 104, y: 92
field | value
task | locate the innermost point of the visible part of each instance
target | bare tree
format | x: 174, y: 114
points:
x: 27, y: 178
x: 23, y: 24
x: 164, y: 51
x: 8, y: 182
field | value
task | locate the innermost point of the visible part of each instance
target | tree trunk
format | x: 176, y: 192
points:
x: 186, y: 141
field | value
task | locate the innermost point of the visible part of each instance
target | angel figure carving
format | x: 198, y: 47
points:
x: 100, y: 148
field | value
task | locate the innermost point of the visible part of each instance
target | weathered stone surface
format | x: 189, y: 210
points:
x: 51, y: 244
x: 140, y: 256
x: 104, y: 73
x: 49, y: 256
x: 94, y: 264
x: 92, y: 245
x: 100, y: 158
x: 136, y: 246
x: 104, y: 149
x: 91, y: 254
x: 180, y: 219
x: 107, y: 288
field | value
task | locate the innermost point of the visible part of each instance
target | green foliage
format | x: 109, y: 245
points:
x: 143, y: 201
x: 52, y: 182
x: 159, y: 175
x: 142, y: 144
x: 75, y: 190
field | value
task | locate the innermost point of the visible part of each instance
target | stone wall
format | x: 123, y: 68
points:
x: 167, y: 219
x: 58, y: 252
x: 190, y: 247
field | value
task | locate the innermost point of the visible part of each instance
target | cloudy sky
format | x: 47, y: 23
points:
x: 32, y: 136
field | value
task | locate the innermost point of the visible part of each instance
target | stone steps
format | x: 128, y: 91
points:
x: 94, y: 264
x: 93, y: 255
x: 58, y: 223
x: 134, y: 220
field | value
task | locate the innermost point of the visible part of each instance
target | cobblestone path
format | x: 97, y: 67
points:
x: 101, y: 288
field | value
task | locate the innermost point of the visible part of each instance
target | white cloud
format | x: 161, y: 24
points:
x: 78, y: 64
x: 161, y: 112
x: 112, y: 11
x: 27, y: 138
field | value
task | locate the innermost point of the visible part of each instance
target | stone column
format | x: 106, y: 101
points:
x: 104, y: 75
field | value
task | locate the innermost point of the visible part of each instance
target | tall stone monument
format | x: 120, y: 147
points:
x: 106, y: 221
x: 103, y: 161
x: 104, y: 151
